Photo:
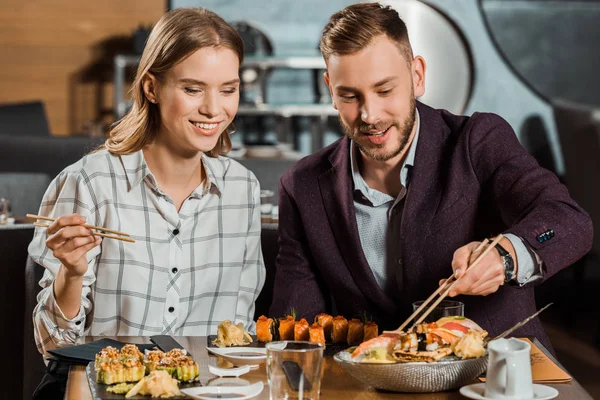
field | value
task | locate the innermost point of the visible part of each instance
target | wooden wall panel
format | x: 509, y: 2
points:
x: 60, y: 52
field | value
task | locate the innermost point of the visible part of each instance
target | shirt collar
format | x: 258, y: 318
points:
x: 137, y: 170
x: 359, y: 182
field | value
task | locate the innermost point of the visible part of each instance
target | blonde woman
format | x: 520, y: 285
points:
x: 161, y: 177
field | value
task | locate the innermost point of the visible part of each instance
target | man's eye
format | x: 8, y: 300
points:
x: 348, y: 97
x: 384, y: 92
x: 229, y: 91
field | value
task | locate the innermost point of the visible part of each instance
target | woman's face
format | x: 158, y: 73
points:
x: 198, y: 99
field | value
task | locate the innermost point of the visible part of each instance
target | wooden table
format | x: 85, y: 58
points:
x: 336, y: 383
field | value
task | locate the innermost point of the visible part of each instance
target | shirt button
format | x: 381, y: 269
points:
x: 174, y: 270
x: 171, y: 309
x: 176, y: 232
x: 399, y: 261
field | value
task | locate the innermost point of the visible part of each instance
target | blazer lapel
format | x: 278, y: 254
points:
x: 423, y: 198
x: 336, y: 190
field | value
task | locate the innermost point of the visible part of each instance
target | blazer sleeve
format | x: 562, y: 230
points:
x: 296, y: 282
x: 531, y: 200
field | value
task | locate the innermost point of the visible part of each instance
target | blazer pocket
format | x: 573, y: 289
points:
x: 449, y: 214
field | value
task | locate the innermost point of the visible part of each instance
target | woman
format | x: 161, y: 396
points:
x: 195, y: 216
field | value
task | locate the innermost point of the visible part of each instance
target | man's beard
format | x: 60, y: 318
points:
x: 405, y: 130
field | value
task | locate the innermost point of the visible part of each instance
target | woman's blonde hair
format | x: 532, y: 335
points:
x: 178, y: 34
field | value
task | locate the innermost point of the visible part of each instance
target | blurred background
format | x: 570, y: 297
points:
x: 66, y: 67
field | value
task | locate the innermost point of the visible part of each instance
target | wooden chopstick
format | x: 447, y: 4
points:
x: 447, y: 285
x: 98, y: 228
x: 125, y: 239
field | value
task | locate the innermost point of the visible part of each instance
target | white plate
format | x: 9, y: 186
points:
x: 240, y: 355
x: 237, y: 372
x: 213, y: 392
x: 477, y: 391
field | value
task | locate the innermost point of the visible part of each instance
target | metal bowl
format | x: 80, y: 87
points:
x: 418, y: 377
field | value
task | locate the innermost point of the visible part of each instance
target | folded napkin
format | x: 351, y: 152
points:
x: 543, y: 369
x: 84, y: 353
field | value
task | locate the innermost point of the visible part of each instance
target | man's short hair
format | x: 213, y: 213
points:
x: 354, y: 28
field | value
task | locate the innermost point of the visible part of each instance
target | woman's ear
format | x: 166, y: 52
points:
x: 149, y: 84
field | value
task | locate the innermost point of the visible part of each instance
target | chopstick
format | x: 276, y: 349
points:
x: 125, y: 239
x: 447, y: 286
x: 98, y: 228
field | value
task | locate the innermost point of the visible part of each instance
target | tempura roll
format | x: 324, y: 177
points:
x: 326, y: 321
x: 301, y: 330
x: 339, y: 331
x: 316, y: 334
x: 286, y: 328
x: 371, y: 330
x: 265, y: 329
x: 356, y: 332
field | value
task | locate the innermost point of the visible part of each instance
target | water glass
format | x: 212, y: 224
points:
x: 446, y: 308
x: 294, y: 370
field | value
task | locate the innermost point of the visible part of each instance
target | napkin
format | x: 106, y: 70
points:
x: 84, y: 353
x: 543, y: 369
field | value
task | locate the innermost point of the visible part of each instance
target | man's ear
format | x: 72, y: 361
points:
x: 418, y: 75
x: 326, y: 78
x: 150, y: 84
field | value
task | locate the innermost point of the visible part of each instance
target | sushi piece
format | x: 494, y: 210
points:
x: 176, y: 362
x: 265, y: 329
x: 316, y: 334
x: 339, y: 331
x: 113, y: 366
x: 371, y: 330
x: 377, y: 349
x: 286, y: 328
x: 356, y: 332
x: 301, y: 330
x: 326, y: 321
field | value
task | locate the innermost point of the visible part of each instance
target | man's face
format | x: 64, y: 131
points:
x: 374, y: 90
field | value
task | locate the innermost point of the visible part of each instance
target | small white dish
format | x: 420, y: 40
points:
x: 477, y: 391
x: 227, y: 382
x: 236, y: 372
x: 240, y: 356
x: 228, y: 392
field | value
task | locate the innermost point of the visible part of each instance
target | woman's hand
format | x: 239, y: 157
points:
x: 70, y: 241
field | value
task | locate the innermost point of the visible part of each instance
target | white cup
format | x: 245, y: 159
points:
x: 509, y: 370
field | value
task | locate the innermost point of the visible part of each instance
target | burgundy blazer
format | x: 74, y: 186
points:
x: 471, y: 179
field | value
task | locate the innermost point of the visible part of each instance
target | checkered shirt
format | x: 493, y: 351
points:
x: 188, y: 270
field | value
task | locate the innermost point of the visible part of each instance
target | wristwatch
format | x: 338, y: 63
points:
x: 509, y: 263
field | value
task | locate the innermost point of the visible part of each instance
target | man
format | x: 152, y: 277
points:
x: 376, y: 220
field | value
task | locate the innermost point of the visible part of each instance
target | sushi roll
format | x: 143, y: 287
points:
x: 371, y: 330
x: 316, y: 334
x: 356, y: 332
x: 265, y: 329
x: 113, y: 366
x: 301, y: 330
x: 339, y: 331
x: 286, y: 328
x: 326, y: 321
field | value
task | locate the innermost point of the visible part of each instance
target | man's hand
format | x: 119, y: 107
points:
x: 486, y: 276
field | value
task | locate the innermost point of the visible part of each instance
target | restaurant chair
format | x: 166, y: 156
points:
x: 269, y: 239
x: 578, y: 129
x: 23, y: 190
x: 33, y: 363
x: 24, y: 119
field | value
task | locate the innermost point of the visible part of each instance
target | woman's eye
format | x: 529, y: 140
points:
x: 348, y: 97
x: 191, y: 90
